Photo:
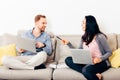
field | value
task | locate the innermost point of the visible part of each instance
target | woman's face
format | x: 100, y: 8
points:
x: 84, y: 25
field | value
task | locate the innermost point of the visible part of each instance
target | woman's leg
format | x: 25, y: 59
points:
x: 77, y: 67
x: 90, y: 71
x: 38, y: 59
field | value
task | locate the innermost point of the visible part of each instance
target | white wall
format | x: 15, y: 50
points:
x: 63, y: 16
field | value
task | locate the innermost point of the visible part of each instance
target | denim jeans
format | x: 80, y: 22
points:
x: 88, y: 70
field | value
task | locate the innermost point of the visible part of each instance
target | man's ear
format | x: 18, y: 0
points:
x: 37, y: 23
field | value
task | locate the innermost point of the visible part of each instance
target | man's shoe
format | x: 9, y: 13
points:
x: 42, y: 66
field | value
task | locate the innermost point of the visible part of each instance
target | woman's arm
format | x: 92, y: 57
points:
x: 104, y: 47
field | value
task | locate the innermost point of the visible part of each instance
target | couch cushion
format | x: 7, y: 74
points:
x: 40, y: 74
x: 62, y: 51
x: 111, y: 74
x: 112, y: 41
x: 4, y: 40
x: 67, y: 74
x: 118, y: 40
x: 74, y: 39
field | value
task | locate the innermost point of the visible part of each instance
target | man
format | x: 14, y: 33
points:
x: 43, y: 48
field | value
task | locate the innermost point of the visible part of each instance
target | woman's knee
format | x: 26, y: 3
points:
x: 87, y: 69
x: 88, y: 72
x: 68, y: 61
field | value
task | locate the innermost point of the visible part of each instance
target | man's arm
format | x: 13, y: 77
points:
x: 48, y: 46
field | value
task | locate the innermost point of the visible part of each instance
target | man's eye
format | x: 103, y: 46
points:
x: 44, y: 23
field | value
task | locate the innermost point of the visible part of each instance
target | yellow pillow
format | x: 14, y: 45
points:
x: 8, y: 50
x: 115, y: 58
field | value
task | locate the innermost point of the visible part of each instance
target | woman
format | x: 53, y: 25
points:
x: 96, y: 41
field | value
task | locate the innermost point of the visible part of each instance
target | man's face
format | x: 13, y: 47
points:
x: 41, y: 24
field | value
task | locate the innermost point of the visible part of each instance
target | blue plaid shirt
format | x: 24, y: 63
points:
x: 44, y: 38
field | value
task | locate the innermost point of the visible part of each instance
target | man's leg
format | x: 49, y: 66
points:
x: 38, y: 59
x: 14, y: 63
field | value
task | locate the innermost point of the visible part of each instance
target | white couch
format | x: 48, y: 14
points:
x: 40, y: 74
x: 61, y: 72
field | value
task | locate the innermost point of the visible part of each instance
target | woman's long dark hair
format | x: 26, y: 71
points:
x: 92, y: 29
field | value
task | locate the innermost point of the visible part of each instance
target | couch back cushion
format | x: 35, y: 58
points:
x: 118, y: 40
x: 62, y: 51
x: 112, y: 41
x: 5, y: 40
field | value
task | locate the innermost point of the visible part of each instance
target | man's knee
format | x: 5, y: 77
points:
x: 43, y: 55
x: 5, y: 59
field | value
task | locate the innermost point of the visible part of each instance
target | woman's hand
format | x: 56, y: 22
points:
x: 97, y: 60
x: 65, y: 42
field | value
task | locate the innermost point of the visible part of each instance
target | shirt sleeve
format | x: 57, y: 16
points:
x: 48, y: 47
x: 105, y: 49
x: 81, y: 44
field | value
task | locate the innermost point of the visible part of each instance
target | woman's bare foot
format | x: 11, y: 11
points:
x: 99, y: 76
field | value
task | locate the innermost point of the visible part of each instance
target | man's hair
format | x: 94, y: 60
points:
x: 37, y: 17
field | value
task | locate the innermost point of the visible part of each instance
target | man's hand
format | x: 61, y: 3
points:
x: 21, y: 50
x: 39, y: 45
x: 97, y: 60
